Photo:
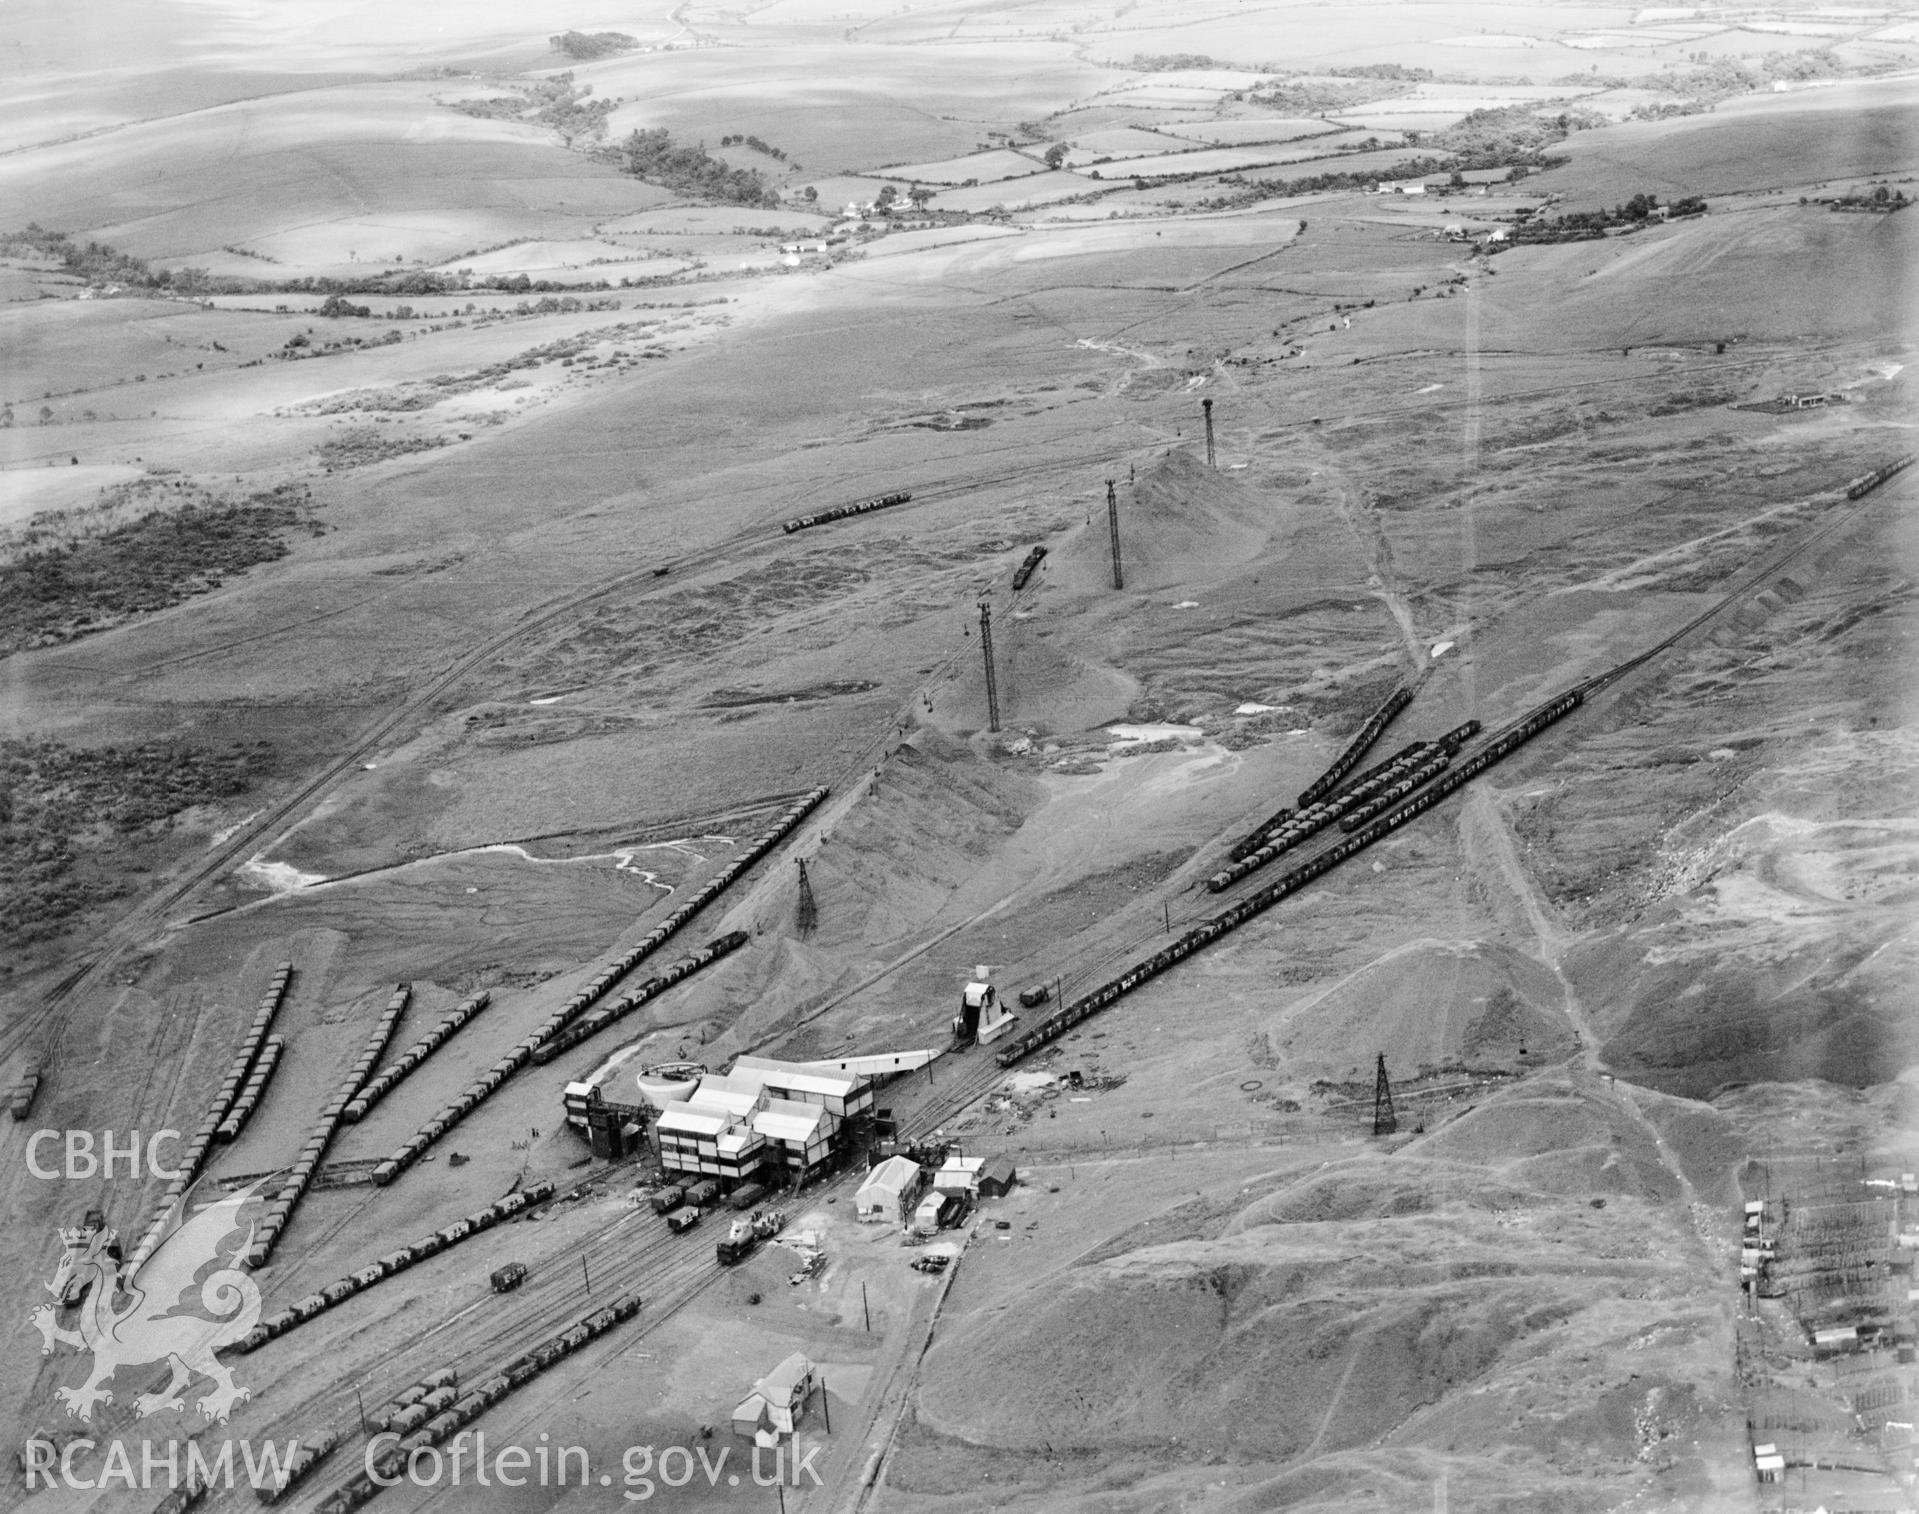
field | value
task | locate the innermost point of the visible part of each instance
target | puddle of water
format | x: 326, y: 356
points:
x: 1136, y: 733
x: 279, y: 877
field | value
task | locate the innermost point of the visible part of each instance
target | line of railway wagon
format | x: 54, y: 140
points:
x: 1371, y: 794
x: 1363, y: 738
x: 393, y: 1263
x: 469, y: 1406
x: 280, y: 1208
x: 1866, y: 483
x: 387, y: 1416
x: 193, y: 1158
x: 390, y: 1076
x: 1236, y: 915
x: 254, y: 1090
x: 590, y: 1025
x: 483, y: 1088
x: 302, y: 1466
x: 846, y: 512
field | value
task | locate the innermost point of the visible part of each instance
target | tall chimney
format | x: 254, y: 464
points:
x: 1112, y: 520
x: 1207, y: 406
x: 992, y: 682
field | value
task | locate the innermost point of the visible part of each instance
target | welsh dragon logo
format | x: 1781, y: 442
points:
x: 146, y: 1315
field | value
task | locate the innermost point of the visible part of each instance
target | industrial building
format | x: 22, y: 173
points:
x: 761, y: 1120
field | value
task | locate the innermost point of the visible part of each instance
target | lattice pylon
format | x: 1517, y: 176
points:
x: 807, y: 915
x: 1385, y: 1122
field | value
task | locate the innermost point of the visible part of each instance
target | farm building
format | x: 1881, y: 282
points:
x: 997, y: 1178
x: 888, y: 1191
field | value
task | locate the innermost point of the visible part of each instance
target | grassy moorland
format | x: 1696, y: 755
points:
x: 58, y: 593
x: 75, y: 820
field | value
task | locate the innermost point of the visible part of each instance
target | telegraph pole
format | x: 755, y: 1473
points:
x: 992, y: 682
x: 1207, y: 406
x: 1112, y: 520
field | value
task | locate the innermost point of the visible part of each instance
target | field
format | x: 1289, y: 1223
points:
x: 1239, y: 159
x: 454, y: 641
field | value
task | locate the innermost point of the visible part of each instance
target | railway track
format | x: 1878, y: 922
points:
x: 1326, y: 851
x: 674, y: 1270
x: 979, y: 1072
x: 43, y: 1026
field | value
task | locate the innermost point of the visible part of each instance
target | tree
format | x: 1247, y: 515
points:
x: 919, y: 194
x: 1457, y: 181
x: 887, y: 195
x: 1055, y: 155
x: 810, y: 195
x: 1881, y: 195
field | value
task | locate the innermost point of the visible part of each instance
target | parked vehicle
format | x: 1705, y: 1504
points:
x: 682, y: 1220
x: 744, y: 1234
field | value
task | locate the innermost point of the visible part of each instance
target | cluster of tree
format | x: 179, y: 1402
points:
x: 1382, y: 71
x: 1318, y: 97
x: 100, y: 263
x: 66, y: 814
x: 1169, y: 63
x: 555, y: 103
x: 1413, y: 168
x: 1881, y: 198
x: 1704, y: 80
x: 95, y: 262
x: 1511, y: 135
x: 654, y: 156
x: 336, y: 305
x: 757, y: 145
x: 889, y: 196
x: 493, y: 107
x: 1666, y: 110
x: 586, y: 45
x: 1590, y: 225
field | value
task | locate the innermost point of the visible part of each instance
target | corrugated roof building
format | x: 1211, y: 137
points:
x: 888, y: 1191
